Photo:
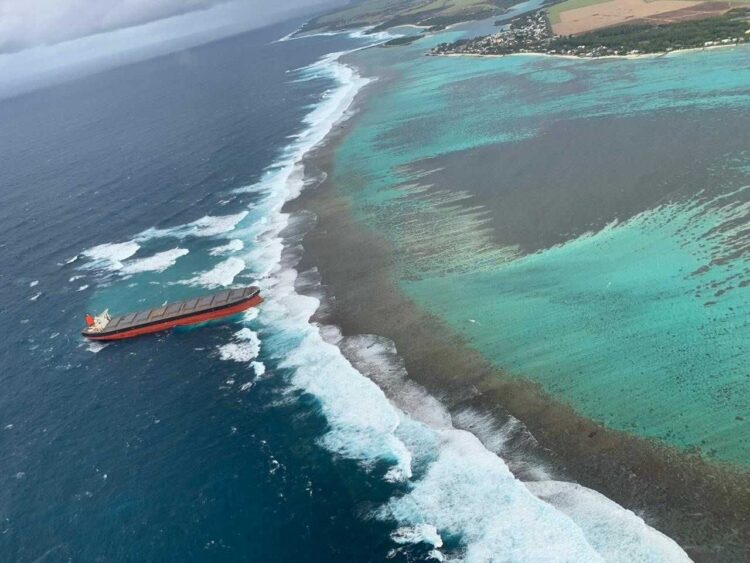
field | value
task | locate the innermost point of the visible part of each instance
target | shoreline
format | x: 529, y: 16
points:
x: 580, y: 58
x: 701, y: 505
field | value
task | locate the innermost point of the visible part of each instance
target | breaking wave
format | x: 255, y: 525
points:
x: 110, y: 256
x: 455, y: 486
x: 221, y: 275
x: 234, y: 245
x: 156, y: 263
x: 245, y: 348
x: 208, y: 226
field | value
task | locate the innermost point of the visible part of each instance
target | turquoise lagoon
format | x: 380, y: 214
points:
x: 640, y: 323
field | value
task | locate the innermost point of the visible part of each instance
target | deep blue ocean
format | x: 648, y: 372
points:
x: 142, y: 451
x: 262, y: 438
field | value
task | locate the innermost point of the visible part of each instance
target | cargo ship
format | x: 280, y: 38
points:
x: 180, y: 313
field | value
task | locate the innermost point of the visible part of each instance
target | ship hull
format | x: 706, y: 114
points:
x: 182, y: 320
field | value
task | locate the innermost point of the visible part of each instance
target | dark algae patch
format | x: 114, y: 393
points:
x: 542, y: 191
x: 405, y: 40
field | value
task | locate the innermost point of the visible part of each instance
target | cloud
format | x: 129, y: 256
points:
x: 49, y: 57
x: 28, y: 23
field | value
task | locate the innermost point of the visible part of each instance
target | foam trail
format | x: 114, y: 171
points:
x: 234, y: 245
x: 421, y: 533
x: 221, y: 275
x: 156, y: 263
x: 207, y: 226
x: 245, y: 349
x: 110, y: 256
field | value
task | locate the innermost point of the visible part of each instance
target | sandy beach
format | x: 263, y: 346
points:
x: 701, y: 505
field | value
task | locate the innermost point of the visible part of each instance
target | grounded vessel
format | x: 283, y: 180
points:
x: 180, y: 313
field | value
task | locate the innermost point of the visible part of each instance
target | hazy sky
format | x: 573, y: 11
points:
x: 43, y: 42
x: 27, y: 23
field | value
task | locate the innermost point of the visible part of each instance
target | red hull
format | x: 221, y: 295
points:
x: 194, y: 319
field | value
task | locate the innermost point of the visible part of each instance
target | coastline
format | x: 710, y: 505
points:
x: 696, y: 503
x: 579, y: 58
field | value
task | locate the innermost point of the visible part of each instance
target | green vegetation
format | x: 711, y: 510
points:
x: 383, y: 14
x: 404, y: 40
x: 730, y: 28
x: 532, y: 34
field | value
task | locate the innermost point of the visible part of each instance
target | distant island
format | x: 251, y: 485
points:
x: 534, y: 34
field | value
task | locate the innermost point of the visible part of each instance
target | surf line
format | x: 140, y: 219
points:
x: 463, y: 479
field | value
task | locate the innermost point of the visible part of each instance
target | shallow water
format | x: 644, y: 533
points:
x: 629, y: 300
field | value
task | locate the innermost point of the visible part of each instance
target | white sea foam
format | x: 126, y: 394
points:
x: 617, y: 534
x: 208, y: 226
x: 83, y: 287
x: 259, y: 368
x: 234, y: 245
x: 35, y: 296
x: 221, y: 275
x: 245, y: 348
x: 156, y: 263
x: 96, y: 347
x: 420, y: 533
x: 34, y: 283
x: 110, y: 255
x: 250, y: 315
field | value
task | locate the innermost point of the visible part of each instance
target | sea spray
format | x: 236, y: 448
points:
x: 156, y: 263
x: 221, y: 275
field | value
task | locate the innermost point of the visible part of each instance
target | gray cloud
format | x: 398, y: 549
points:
x: 47, y: 55
x: 28, y: 23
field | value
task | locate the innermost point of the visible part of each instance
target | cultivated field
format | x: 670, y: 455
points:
x: 395, y: 12
x: 578, y: 16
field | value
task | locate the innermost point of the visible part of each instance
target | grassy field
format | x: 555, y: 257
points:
x: 395, y: 12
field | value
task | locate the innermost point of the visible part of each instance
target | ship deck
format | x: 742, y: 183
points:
x: 177, y: 310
